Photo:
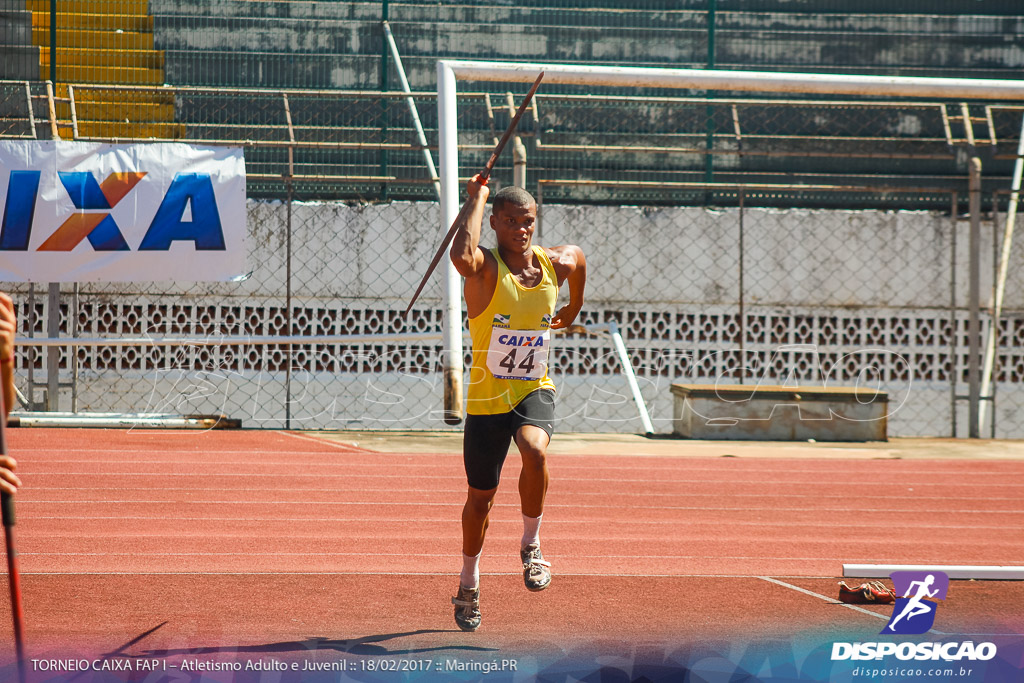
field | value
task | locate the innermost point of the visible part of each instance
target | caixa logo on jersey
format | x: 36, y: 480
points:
x: 190, y: 196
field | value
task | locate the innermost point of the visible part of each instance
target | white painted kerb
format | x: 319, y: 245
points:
x: 959, y: 571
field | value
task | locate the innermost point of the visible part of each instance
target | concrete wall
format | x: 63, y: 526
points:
x: 828, y: 295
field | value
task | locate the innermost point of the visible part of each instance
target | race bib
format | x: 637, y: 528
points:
x: 518, y: 354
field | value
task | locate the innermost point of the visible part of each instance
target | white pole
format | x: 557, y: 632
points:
x: 749, y: 81
x: 518, y: 151
x: 448, y: 156
x: 412, y: 109
x: 973, y: 302
x: 960, y: 571
x: 627, y: 369
x: 119, y: 421
x: 519, y: 163
x: 1004, y: 267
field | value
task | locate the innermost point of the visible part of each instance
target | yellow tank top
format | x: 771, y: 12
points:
x: 511, y: 341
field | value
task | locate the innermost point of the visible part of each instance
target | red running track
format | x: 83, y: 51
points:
x: 250, y: 538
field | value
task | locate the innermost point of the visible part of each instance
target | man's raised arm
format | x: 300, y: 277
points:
x: 466, y: 253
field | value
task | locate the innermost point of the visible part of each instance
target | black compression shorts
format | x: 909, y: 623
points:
x: 488, y: 437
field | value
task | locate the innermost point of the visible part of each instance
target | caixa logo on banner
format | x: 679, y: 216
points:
x: 188, y: 193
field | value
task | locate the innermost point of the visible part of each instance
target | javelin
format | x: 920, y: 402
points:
x: 484, y: 175
x: 13, y: 577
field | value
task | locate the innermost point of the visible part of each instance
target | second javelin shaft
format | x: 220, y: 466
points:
x: 13, y: 574
x: 14, y: 579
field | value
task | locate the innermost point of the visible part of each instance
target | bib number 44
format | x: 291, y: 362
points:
x: 527, y: 364
x: 518, y: 354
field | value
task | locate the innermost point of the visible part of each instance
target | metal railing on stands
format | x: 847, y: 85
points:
x: 751, y: 270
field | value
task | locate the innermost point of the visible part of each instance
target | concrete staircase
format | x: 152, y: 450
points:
x: 19, y: 58
x: 102, y: 42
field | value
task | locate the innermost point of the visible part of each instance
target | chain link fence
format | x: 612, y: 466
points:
x: 730, y: 239
x: 799, y: 297
x: 363, y: 146
x: 728, y: 294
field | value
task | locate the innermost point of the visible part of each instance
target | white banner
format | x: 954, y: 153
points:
x: 81, y: 211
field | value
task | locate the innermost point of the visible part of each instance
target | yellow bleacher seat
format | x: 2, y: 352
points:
x: 106, y: 42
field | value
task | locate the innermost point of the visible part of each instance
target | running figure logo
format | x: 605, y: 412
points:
x: 914, y: 613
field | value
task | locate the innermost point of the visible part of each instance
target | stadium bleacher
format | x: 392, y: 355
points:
x: 339, y: 46
x: 19, y: 57
x: 99, y: 42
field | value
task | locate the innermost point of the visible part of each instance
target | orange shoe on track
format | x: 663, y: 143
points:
x: 872, y: 593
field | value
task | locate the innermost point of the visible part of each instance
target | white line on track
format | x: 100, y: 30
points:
x: 267, y: 462
x: 206, y: 449
x: 434, y: 556
x: 278, y: 475
x: 453, y: 449
x: 677, y: 462
x: 319, y: 441
x: 834, y: 601
x: 574, y: 480
x: 570, y: 506
x: 403, y: 554
x: 615, y: 575
x: 461, y: 490
x: 757, y: 558
x: 339, y: 489
x: 445, y: 520
x: 278, y: 458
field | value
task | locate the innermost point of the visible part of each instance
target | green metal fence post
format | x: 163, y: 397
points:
x: 710, y: 111
x: 384, y: 160
x: 53, y: 42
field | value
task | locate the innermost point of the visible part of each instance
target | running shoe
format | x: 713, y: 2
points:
x: 467, y: 608
x: 536, y: 572
x: 871, y: 593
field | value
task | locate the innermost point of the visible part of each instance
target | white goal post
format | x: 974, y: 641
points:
x: 451, y: 71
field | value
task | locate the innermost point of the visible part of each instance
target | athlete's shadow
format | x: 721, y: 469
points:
x: 365, y: 646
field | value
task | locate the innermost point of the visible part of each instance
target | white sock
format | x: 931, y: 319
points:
x: 531, y: 530
x: 470, y: 577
